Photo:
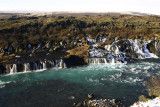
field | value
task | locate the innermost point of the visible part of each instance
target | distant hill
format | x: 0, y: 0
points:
x: 5, y: 14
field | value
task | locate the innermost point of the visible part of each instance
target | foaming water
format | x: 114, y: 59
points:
x: 2, y: 83
x: 124, y: 81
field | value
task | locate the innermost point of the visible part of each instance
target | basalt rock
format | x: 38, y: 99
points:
x: 91, y: 101
x: 74, y: 60
x: 103, y: 103
x: 20, y: 67
x: 2, y: 69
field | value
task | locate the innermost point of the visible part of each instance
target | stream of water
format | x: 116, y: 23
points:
x: 63, y: 87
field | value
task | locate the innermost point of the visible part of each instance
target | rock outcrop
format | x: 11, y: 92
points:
x: 153, y: 85
x: 73, y: 61
x: 90, y: 39
x: 153, y: 89
x: 91, y: 101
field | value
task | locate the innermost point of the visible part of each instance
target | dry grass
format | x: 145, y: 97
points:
x: 81, y: 51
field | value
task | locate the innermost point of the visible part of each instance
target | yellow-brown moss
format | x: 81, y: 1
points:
x: 81, y: 51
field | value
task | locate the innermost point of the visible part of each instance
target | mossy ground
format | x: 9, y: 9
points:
x: 72, y: 30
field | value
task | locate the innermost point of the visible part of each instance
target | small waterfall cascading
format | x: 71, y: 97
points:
x: 136, y: 47
x: 112, y: 61
x: 142, y: 51
x: 116, y: 51
x: 111, y: 55
x: 47, y: 64
x: 26, y: 67
x: 121, y: 57
x: 13, y: 68
x: 64, y: 65
x: 35, y: 66
x: 105, y: 61
x: 61, y: 64
x: 147, y: 53
x: 97, y: 61
x: 44, y: 65
x: 157, y: 45
x: 53, y: 63
x: 38, y: 66
x: 57, y: 64
x: 111, y: 58
x: 91, y: 61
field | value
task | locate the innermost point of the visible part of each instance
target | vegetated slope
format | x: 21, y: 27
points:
x: 57, y: 33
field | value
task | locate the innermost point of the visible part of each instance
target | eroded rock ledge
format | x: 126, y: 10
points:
x: 93, y: 51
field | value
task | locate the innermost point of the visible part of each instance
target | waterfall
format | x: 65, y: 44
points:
x: 13, y: 68
x: 53, y: 63
x: 97, y: 60
x: 61, y: 64
x: 137, y: 48
x: 141, y: 50
x: 112, y: 61
x: 35, y: 66
x: 147, y: 53
x: 26, y: 67
x: 116, y: 50
x: 105, y: 61
x: 44, y: 65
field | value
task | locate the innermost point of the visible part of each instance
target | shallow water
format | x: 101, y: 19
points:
x: 56, y: 87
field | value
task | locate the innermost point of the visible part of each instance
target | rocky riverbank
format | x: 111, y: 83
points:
x: 151, y: 100
x: 91, y: 101
x: 119, y: 51
x: 76, y: 40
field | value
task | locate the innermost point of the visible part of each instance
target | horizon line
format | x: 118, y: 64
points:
x: 96, y: 12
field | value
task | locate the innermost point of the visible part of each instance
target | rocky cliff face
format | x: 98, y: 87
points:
x: 31, y: 41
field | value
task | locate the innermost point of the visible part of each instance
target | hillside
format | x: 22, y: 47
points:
x: 24, y: 34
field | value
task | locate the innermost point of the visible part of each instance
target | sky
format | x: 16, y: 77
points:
x: 143, y: 6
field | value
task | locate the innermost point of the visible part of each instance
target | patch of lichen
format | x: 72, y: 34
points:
x: 153, y: 85
x: 153, y: 88
x: 6, y: 58
x: 81, y: 51
x: 143, y: 98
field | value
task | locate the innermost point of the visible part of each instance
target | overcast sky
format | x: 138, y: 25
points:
x: 144, y: 6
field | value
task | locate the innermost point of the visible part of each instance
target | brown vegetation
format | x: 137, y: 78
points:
x: 53, y: 32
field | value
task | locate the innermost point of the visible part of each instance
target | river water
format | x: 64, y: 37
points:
x: 63, y: 87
